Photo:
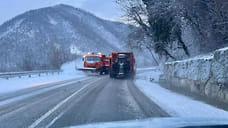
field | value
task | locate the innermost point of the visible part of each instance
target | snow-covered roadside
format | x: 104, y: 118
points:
x: 148, y: 68
x: 175, y: 104
x: 15, y: 84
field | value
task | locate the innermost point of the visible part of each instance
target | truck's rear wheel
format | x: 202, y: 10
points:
x: 111, y: 75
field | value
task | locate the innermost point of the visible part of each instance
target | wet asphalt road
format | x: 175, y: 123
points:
x: 75, y: 102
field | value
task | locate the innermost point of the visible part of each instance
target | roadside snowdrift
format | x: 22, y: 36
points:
x: 15, y: 84
x: 175, y: 104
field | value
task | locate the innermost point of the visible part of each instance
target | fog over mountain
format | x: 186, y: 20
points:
x: 106, y: 9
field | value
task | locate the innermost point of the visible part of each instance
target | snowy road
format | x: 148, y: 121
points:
x: 79, y: 101
x: 94, y: 98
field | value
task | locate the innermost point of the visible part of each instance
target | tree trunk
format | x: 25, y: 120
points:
x: 167, y: 53
x: 183, y: 45
x: 153, y: 56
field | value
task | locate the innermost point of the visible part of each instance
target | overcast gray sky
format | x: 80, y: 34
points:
x: 106, y: 9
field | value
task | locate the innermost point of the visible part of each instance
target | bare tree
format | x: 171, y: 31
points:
x: 209, y: 18
x: 138, y: 40
x: 160, y: 22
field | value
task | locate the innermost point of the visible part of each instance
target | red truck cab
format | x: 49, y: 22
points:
x: 92, y: 61
x: 98, y: 63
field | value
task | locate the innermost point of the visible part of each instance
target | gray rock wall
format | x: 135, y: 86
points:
x: 206, y: 75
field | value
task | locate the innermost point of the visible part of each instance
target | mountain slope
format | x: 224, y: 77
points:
x: 48, y: 37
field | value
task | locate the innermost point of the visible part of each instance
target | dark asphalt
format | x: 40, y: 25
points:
x: 97, y: 99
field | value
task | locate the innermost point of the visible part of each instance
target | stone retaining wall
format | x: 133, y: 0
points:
x: 206, y: 75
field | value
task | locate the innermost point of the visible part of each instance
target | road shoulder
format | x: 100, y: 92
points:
x: 176, y: 105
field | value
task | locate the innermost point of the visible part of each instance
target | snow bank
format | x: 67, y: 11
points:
x: 79, y: 63
x: 199, y: 57
x: 15, y: 84
x: 223, y: 49
x: 175, y: 104
x: 147, y: 68
x: 70, y: 68
x: 154, y: 74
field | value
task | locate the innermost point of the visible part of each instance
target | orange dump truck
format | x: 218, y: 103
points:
x: 122, y: 65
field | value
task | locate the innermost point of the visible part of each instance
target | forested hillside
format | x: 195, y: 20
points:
x: 177, y: 29
x: 48, y: 37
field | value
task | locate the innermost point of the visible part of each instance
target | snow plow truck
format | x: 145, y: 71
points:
x: 122, y: 65
x: 95, y: 63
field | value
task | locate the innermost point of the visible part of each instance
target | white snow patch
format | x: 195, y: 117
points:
x: 199, y: 57
x: 69, y: 68
x: 150, y: 74
x: 14, y: 84
x: 37, y: 92
x: 52, y: 20
x: 31, y: 33
x: 79, y: 63
x: 223, y: 49
x: 176, y: 104
x: 75, y: 50
x: 147, y: 68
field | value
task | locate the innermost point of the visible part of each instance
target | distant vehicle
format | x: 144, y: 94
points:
x: 122, y: 65
x: 95, y: 63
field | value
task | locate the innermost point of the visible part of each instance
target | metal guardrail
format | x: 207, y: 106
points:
x: 8, y: 75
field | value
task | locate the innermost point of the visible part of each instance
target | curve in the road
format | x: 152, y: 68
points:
x: 109, y: 100
x: 99, y: 99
